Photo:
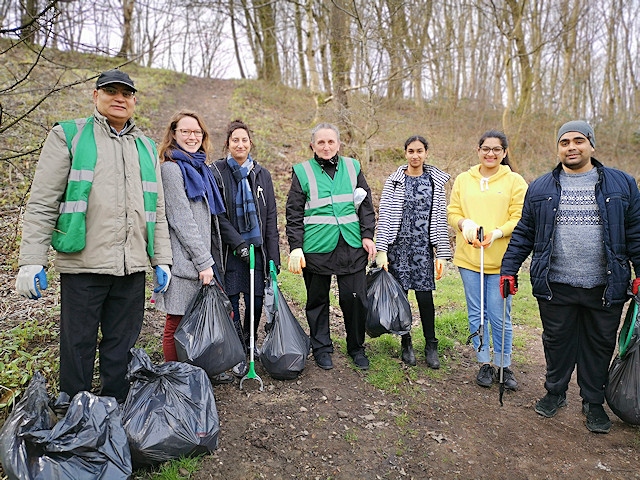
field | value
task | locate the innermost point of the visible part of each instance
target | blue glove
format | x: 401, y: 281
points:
x: 30, y: 277
x: 163, y: 277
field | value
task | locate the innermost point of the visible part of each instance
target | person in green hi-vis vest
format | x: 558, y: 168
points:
x: 97, y: 199
x: 330, y: 227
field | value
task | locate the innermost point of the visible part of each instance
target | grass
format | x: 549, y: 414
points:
x: 179, y: 469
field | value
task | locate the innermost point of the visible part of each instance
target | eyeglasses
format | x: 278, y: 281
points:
x: 187, y: 133
x: 112, y: 92
x: 496, y: 150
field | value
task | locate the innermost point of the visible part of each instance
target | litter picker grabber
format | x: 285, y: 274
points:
x: 480, y: 332
x: 251, y: 374
x: 506, y: 287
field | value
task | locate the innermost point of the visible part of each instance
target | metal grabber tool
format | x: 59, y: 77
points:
x: 506, y: 288
x: 480, y: 332
x: 251, y: 374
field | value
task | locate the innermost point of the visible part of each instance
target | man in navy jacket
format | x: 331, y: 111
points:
x: 582, y: 223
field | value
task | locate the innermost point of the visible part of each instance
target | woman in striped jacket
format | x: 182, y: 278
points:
x: 412, y: 236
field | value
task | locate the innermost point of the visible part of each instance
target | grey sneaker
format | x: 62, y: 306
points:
x: 485, y: 375
x: 548, y: 405
x: 597, y: 419
x: 241, y: 369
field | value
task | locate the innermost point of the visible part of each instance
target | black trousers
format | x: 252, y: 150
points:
x: 352, y: 291
x: 578, y: 330
x: 91, y: 302
x: 427, y: 312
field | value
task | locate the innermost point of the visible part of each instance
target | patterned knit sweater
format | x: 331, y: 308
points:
x: 578, y: 257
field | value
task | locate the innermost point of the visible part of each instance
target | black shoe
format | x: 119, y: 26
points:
x: 485, y: 375
x: 548, y: 405
x: 361, y: 361
x: 431, y: 354
x: 508, y: 377
x: 221, y: 379
x: 597, y: 419
x: 408, y: 355
x: 323, y: 360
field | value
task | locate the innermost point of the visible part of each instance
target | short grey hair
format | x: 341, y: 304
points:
x: 324, y: 126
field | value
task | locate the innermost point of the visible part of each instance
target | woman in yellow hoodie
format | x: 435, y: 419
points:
x: 488, y: 195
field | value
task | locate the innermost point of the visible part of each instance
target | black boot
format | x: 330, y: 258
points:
x: 431, y: 352
x: 408, y: 356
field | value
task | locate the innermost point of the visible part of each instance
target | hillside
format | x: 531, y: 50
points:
x: 335, y: 424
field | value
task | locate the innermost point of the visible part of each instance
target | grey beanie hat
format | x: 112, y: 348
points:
x: 578, y: 126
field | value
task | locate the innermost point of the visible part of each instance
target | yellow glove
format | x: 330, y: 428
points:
x: 439, y: 268
x: 382, y: 261
x: 296, y: 261
x: 469, y: 230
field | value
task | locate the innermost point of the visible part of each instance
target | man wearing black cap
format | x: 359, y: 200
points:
x: 97, y: 199
x: 582, y: 222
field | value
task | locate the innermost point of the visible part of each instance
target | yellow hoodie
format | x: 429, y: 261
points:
x: 492, y: 203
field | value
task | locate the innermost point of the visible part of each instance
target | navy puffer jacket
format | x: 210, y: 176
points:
x: 618, y: 199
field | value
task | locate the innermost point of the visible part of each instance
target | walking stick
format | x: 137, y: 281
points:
x: 251, y: 374
x: 505, y: 293
x: 480, y: 332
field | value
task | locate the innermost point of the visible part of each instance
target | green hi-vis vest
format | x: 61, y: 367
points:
x: 329, y: 210
x: 70, y: 233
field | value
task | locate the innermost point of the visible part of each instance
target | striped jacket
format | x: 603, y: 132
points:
x: 391, y: 207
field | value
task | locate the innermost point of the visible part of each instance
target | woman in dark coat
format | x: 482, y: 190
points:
x: 250, y: 204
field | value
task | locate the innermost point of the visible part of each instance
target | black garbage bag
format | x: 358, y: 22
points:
x: 286, y: 345
x: 87, y: 443
x: 623, y: 388
x: 389, y: 310
x: 170, y: 411
x: 206, y: 336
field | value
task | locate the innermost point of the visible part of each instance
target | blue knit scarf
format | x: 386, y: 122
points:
x: 246, y: 214
x: 198, y: 178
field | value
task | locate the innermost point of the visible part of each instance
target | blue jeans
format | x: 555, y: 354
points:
x: 493, y: 312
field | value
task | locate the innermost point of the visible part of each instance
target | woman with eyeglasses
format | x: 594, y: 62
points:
x: 251, y: 211
x: 192, y: 204
x: 412, y: 237
x: 488, y: 195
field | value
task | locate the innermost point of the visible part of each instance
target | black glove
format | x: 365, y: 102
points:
x: 242, y: 252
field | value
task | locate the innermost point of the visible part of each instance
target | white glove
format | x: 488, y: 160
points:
x: 296, y: 261
x: 489, y: 238
x: 469, y: 230
x: 163, y: 277
x: 29, y: 278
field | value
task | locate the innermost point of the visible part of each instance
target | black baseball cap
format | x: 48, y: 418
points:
x: 114, y: 76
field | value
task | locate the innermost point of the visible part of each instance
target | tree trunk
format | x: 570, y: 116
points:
x: 127, y: 31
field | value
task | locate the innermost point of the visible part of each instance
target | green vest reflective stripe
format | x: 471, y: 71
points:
x: 70, y: 232
x: 329, y: 211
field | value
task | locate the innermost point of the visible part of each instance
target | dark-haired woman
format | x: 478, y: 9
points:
x: 192, y: 203
x: 412, y: 236
x: 490, y: 195
x: 250, y: 204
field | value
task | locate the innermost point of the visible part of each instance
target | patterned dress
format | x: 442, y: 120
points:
x: 411, y: 254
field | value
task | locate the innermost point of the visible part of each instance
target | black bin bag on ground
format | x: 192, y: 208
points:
x: 389, y: 310
x: 206, y: 336
x: 623, y: 388
x: 170, y: 411
x: 87, y: 443
x: 286, y: 345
